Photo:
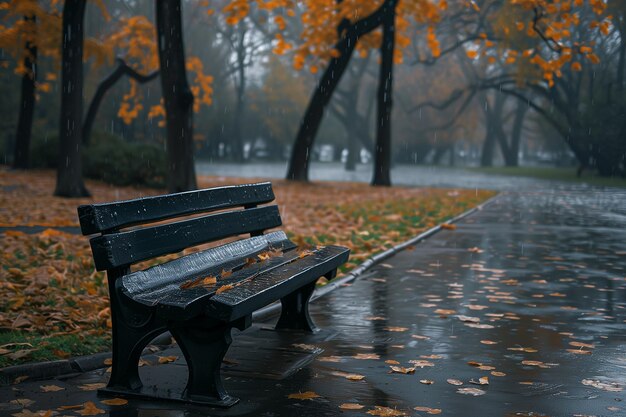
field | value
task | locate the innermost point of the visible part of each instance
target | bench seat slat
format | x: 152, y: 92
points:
x: 96, y: 218
x: 125, y: 248
x: 153, y: 285
x: 275, y: 284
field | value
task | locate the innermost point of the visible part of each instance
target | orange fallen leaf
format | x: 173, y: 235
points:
x: 351, y: 406
x: 115, y: 401
x: 496, y: 373
x: 51, y: 388
x: 167, y: 359
x: 385, y: 412
x: 392, y: 362
x: 402, y: 370
x: 224, y: 288
x: 92, y: 387
x: 488, y: 342
x: 364, y: 356
x: 308, y: 395
x: 579, y: 351
x: 582, y: 345
x: 90, y: 409
x: 448, y: 226
x: 454, y: 381
x: 428, y: 410
x: 396, y: 329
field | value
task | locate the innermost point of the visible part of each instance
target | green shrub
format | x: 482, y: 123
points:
x: 44, y: 151
x: 110, y: 159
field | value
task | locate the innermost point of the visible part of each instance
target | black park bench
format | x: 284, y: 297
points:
x: 201, y: 296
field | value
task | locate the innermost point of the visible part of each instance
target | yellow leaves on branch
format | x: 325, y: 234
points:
x: 555, y: 22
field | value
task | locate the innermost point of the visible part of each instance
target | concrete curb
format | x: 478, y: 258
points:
x: 45, y: 370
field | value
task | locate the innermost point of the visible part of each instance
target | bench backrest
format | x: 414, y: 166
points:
x: 115, y: 248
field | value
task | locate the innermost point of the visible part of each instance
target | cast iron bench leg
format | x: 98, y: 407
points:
x: 295, y: 308
x: 204, y: 348
x: 128, y: 344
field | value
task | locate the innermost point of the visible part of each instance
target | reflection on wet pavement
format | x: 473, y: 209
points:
x: 520, y: 311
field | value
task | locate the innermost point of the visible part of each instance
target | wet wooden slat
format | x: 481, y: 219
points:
x: 161, y: 283
x: 96, y: 218
x: 275, y: 284
x: 114, y: 250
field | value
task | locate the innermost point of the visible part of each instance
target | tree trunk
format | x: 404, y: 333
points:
x: 70, y: 165
x: 104, y: 86
x: 177, y: 97
x: 516, y: 134
x: 382, y: 153
x: 298, y: 169
x: 237, y: 139
x: 301, y: 154
x: 21, y: 159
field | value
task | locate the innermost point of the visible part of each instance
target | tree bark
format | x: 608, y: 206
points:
x: 299, y: 162
x: 382, y: 152
x: 104, y: 86
x: 21, y: 156
x: 516, y: 134
x: 177, y: 97
x: 70, y: 166
x: 237, y: 139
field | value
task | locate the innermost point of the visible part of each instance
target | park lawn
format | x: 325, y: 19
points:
x: 53, y: 304
x: 555, y: 174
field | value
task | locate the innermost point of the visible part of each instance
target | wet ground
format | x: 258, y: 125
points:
x: 528, y: 295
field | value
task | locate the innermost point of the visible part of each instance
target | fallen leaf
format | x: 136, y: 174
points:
x: 396, y: 329
x: 224, y: 288
x: 488, y: 342
x: 50, y: 388
x: 27, y: 413
x: 428, y: 410
x: 402, y: 370
x: 444, y: 312
x: 581, y: 345
x: 167, y: 359
x: 115, y: 401
x: 448, y: 226
x: 90, y: 409
x: 92, y: 387
x: 470, y: 391
x: 351, y: 406
x: 481, y: 381
x: 308, y: 395
x: 349, y: 376
x: 366, y: 356
x: 605, y: 386
x: 496, y: 373
x: 24, y: 402
x: 385, y: 412
x: 427, y: 381
x: 475, y: 250
x: 579, y: 351
x: 454, y: 381
x: 421, y: 363
x: 329, y: 359
x: 392, y: 362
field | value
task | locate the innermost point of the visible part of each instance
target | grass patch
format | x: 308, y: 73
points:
x: 554, y: 174
x: 28, y: 347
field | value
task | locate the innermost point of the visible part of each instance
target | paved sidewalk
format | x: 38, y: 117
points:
x: 530, y: 293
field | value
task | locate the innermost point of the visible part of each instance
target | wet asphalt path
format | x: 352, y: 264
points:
x: 529, y: 292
